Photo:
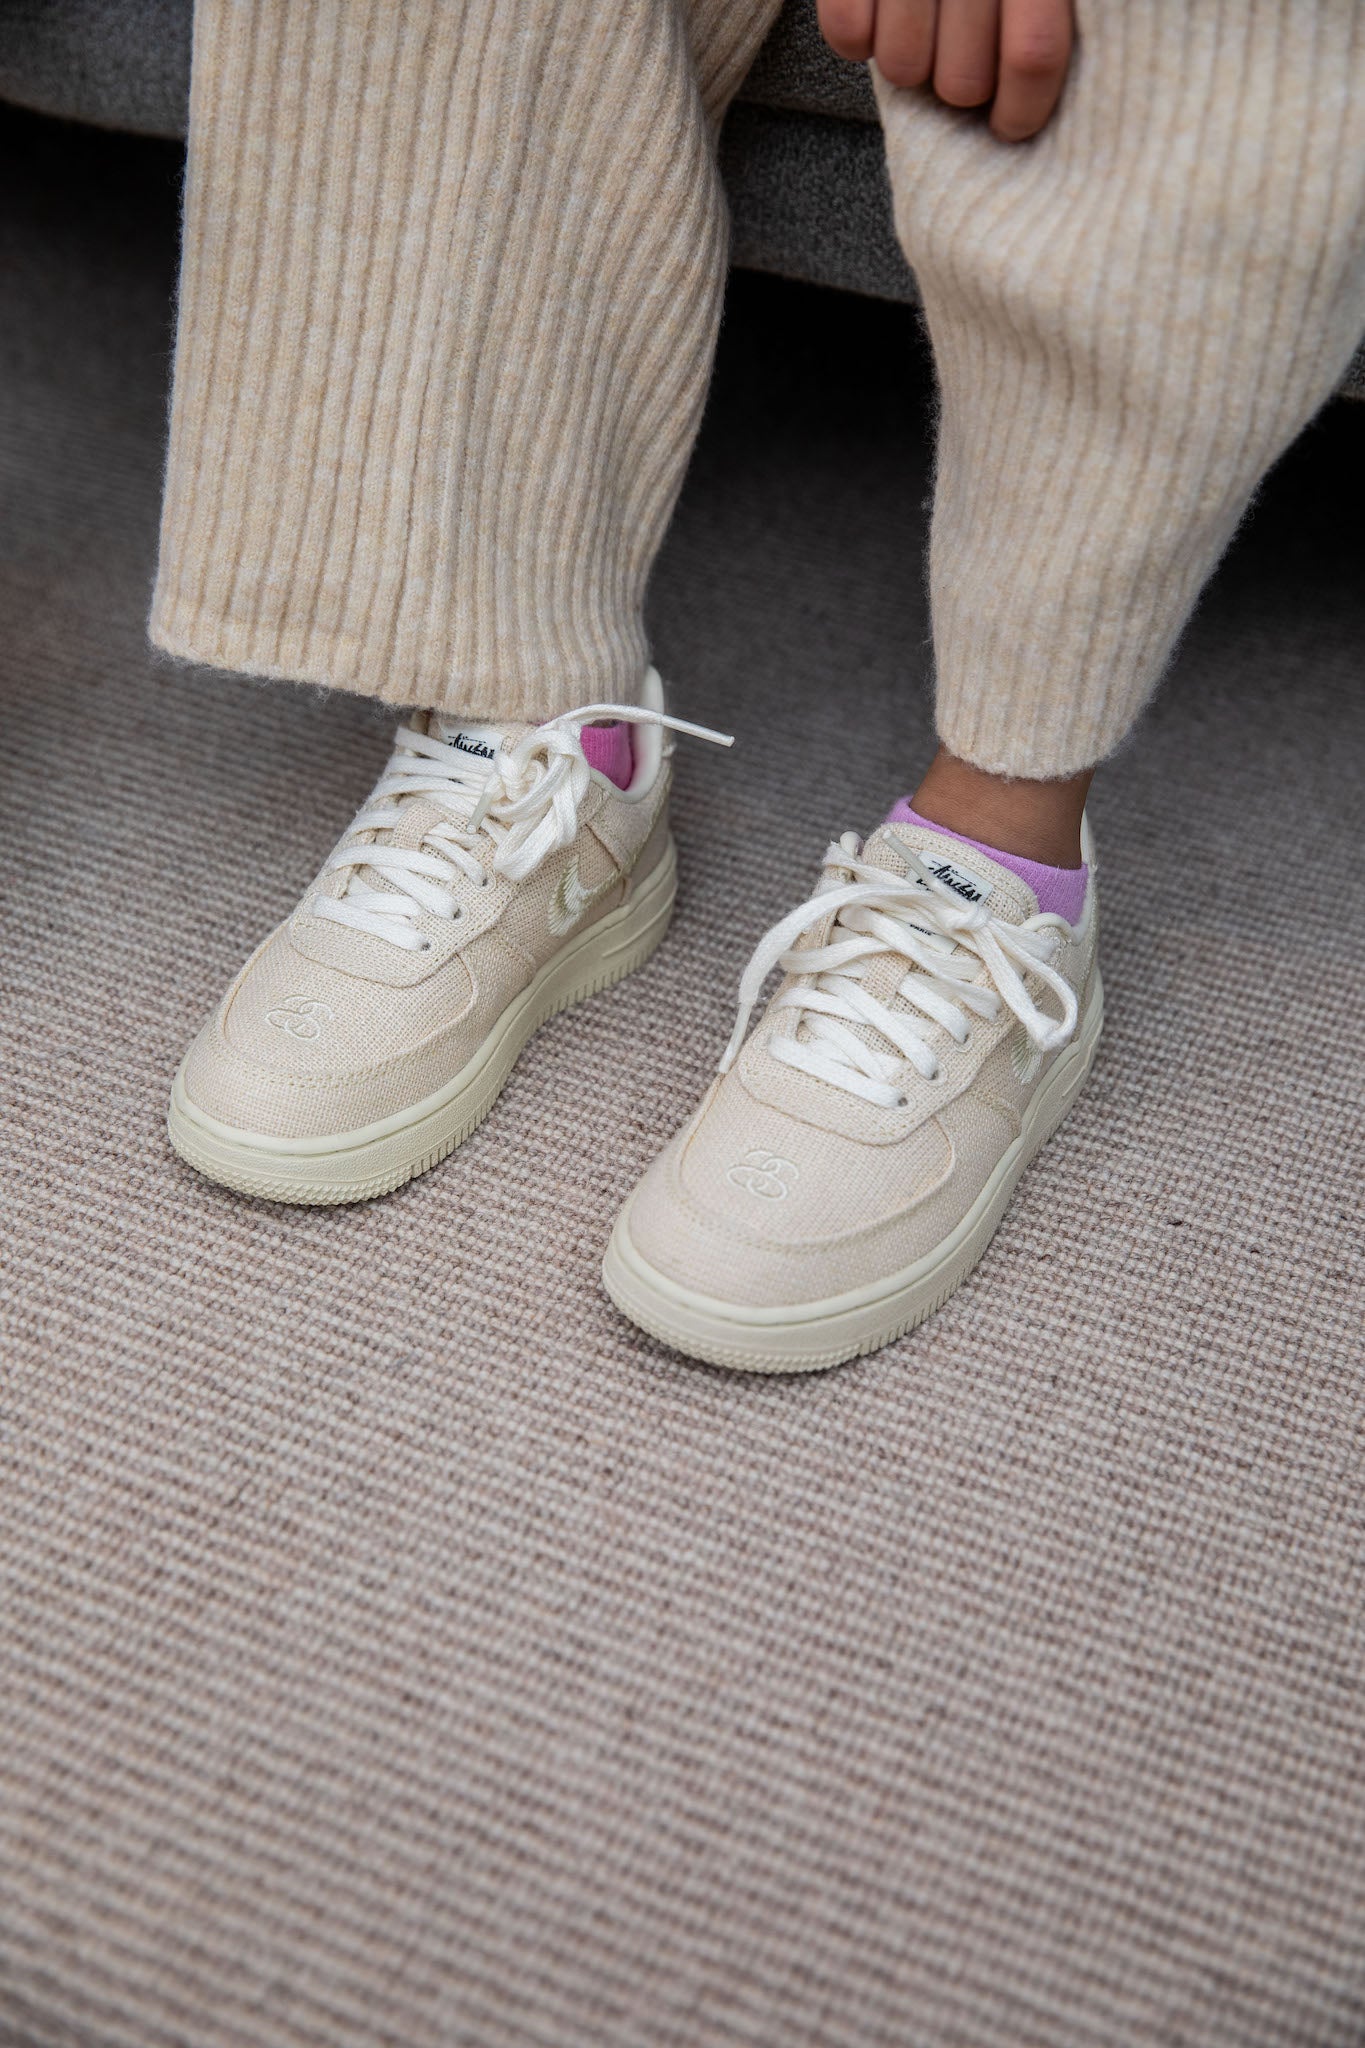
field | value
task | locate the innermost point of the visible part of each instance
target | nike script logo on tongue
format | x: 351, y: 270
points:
x: 962, y: 882
x: 481, y: 742
x: 972, y: 888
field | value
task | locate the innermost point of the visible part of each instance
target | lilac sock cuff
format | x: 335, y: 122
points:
x: 1059, y: 890
x: 608, y: 748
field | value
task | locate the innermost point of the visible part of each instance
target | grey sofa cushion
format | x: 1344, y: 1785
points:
x: 797, y: 71
x: 809, y: 198
x: 118, y: 63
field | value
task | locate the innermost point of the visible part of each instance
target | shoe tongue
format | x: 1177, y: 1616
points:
x: 477, y: 745
x: 480, y: 742
x: 970, y: 873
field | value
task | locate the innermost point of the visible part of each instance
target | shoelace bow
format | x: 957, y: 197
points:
x: 922, y: 921
x: 526, y: 800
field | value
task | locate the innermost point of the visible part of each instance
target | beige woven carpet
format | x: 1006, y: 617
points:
x: 395, y: 1647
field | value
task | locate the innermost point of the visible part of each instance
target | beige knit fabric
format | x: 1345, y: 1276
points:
x: 450, y: 293
x: 451, y: 282
x: 1132, y: 317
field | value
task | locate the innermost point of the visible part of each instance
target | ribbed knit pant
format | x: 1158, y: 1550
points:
x: 451, y: 282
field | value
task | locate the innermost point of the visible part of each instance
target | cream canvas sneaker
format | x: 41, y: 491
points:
x: 850, y: 1164
x: 493, y: 878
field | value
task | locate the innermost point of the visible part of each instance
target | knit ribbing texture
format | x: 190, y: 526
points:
x: 450, y: 289
x: 449, y: 300
x: 1132, y: 316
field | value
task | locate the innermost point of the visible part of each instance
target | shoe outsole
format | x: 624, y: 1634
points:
x: 824, y: 1333
x: 358, y: 1166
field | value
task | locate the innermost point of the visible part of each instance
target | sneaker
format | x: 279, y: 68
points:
x: 493, y: 878
x: 851, y: 1162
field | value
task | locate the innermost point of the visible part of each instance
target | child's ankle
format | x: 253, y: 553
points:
x: 1038, y: 821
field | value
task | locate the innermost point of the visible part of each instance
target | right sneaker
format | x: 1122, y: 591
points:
x: 493, y: 878
x: 849, y: 1166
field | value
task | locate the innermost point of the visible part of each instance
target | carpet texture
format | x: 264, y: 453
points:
x: 395, y: 1647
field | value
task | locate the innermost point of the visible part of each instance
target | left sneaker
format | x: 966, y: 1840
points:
x: 494, y: 877
x: 851, y: 1163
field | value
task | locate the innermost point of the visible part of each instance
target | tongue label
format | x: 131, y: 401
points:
x: 971, y: 888
x: 480, y: 741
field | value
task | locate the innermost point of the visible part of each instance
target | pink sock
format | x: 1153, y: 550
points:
x: 608, y: 748
x: 1060, y: 890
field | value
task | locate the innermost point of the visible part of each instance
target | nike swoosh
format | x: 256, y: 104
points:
x: 571, y: 900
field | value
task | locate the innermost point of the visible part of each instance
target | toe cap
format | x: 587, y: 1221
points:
x: 754, y: 1208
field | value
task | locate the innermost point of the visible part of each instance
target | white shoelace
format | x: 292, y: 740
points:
x: 921, y: 920
x: 526, y: 800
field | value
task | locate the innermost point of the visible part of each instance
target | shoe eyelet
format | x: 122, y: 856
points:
x: 425, y: 946
x: 902, y: 1102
